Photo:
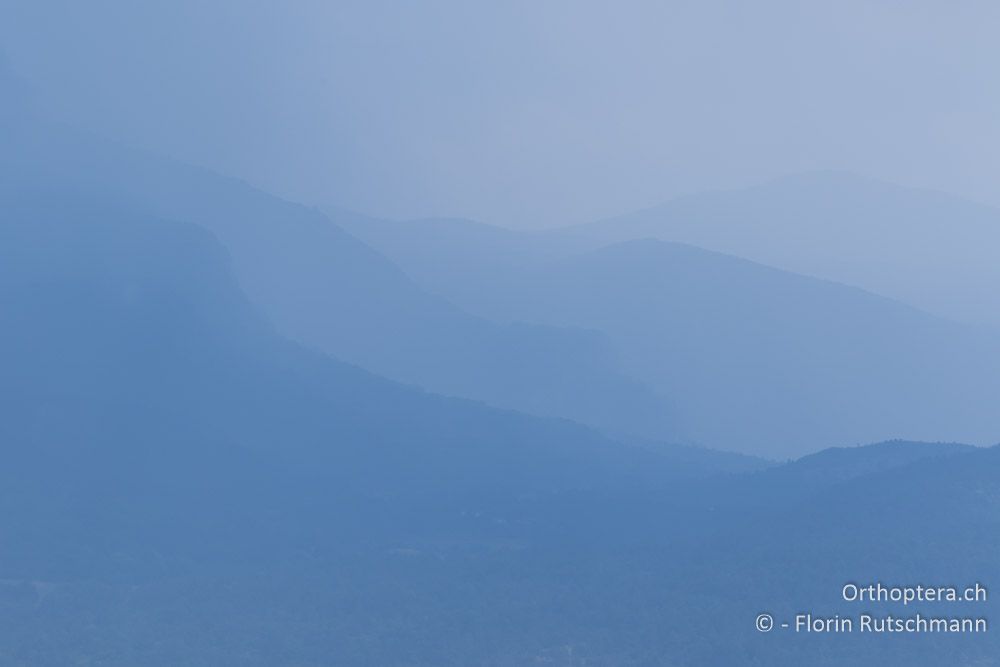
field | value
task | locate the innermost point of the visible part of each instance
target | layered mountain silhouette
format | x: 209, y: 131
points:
x: 750, y: 357
x: 191, y: 477
x: 145, y: 400
x: 324, y: 288
x: 184, y: 485
x: 929, y: 249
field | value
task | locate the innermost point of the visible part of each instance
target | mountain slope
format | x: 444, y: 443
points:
x: 928, y: 249
x: 460, y: 258
x: 770, y: 361
x: 750, y: 357
x: 147, y: 407
x: 184, y: 487
x: 324, y: 288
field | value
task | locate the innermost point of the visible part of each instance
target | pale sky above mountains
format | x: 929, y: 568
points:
x: 526, y: 114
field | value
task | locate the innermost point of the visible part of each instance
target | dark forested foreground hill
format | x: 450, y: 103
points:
x: 183, y: 487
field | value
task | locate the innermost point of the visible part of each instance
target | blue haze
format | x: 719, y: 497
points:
x: 254, y: 430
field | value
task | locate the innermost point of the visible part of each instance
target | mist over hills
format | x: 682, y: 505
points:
x: 186, y: 487
x: 172, y: 459
x: 205, y: 467
x: 932, y: 250
x: 751, y: 358
x: 483, y: 312
x: 135, y: 365
x: 752, y: 355
x: 326, y: 289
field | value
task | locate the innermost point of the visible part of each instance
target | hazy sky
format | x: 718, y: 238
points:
x: 526, y: 113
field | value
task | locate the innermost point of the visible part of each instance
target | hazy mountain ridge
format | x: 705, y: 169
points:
x: 783, y: 357
x: 930, y: 249
x: 825, y: 473
x: 237, y: 431
x: 246, y: 483
x: 788, y: 359
x: 134, y: 333
x: 326, y: 289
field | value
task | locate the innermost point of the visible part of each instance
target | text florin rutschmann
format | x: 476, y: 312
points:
x: 891, y: 623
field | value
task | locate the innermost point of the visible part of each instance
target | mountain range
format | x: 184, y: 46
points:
x: 326, y: 289
x: 749, y: 357
x: 217, y: 452
x: 185, y: 486
x: 929, y: 249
